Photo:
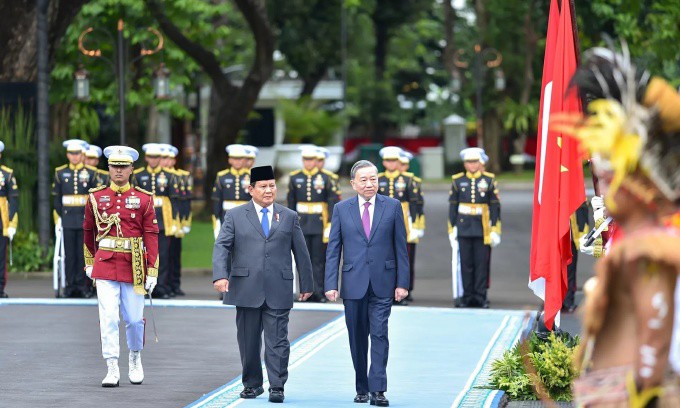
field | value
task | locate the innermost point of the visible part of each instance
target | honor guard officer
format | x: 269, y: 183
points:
x: 474, y: 221
x: 9, y: 216
x: 169, y: 158
x: 71, y: 183
x: 322, y: 155
x: 92, y: 155
x: 400, y: 186
x: 121, y: 254
x: 162, y: 184
x: 579, y: 228
x: 312, y: 194
x: 231, y: 185
x: 251, y: 155
x: 418, y: 225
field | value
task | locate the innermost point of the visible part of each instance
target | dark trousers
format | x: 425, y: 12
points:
x: 250, y: 323
x: 366, y: 317
x: 473, y: 269
x: 163, y: 286
x: 411, y: 264
x: 74, y: 263
x: 175, y: 263
x: 315, y: 246
x: 571, y: 278
x: 3, y: 262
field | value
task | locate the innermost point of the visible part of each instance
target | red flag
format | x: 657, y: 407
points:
x: 558, y: 187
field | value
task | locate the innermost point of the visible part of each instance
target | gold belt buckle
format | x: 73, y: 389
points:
x: 120, y: 243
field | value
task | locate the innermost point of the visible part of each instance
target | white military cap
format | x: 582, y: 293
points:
x: 121, y: 155
x: 152, y: 149
x: 322, y: 153
x: 309, y: 152
x: 2, y: 147
x: 251, y: 151
x: 75, y: 145
x: 472, y: 153
x: 405, y: 157
x: 390, y: 153
x: 93, y: 151
x: 169, y: 150
x: 236, y: 150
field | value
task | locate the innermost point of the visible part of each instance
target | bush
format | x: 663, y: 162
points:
x: 28, y: 255
x: 552, y: 360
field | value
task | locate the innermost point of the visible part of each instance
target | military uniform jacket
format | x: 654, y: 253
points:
x: 474, y: 206
x: 402, y: 187
x: 70, y: 189
x: 230, y: 190
x: 9, y: 199
x: 164, y: 185
x: 579, y: 224
x: 135, y: 209
x: 335, y: 179
x: 312, y: 194
x: 186, y: 195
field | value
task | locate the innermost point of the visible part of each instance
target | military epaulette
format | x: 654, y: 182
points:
x: 417, y: 179
x: 61, y: 167
x: 169, y: 170
x: 381, y: 174
x: 486, y: 173
x: 100, y: 171
x: 330, y: 173
x: 138, y: 188
x: 223, y: 172
x: 293, y: 173
x: 183, y: 172
x: 92, y: 168
x: 457, y: 176
x: 139, y: 170
x: 5, y: 168
x: 94, y: 190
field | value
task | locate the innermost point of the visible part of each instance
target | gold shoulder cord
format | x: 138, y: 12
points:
x: 109, y: 221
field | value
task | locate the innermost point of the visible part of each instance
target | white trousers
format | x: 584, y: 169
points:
x: 112, y: 295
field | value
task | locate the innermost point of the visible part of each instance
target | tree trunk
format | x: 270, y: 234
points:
x: 310, y: 82
x: 449, y: 25
x: 492, y: 138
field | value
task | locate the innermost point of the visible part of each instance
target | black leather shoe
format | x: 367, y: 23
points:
x: 276, y: 395
x: 250, y: 393
x: 323, y: 299
x: 378, y: 399
x: 409, y: 297
x: 163, y: 296
x: 486, y: 304
x: 361, y: 398
x: 179, y: 292
x: 402, y: 302
x: 3, y: 295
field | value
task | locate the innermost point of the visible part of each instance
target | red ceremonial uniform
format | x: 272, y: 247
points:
x: 134, y: 207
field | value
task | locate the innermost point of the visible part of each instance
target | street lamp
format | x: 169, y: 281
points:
x: 81, y: 84
x: 161, y: 82
x: 483, y: 59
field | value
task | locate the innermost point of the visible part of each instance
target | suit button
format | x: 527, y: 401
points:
x: 266, y: 256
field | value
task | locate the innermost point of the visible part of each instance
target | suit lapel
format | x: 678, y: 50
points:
x: 276, y: 219
x: 354, y: 214
x: 377, y: 213
x: 252, y: 217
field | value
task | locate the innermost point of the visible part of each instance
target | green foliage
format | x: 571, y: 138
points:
x: 308, y: 122
x: 27, y: 254
x: 17, y: 131
x: 518, y: 117
x: 553, y: 363
x: 83, y: 122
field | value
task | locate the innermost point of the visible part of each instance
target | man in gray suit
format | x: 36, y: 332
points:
x: 259, y: 237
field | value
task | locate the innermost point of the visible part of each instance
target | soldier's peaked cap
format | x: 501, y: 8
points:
x: 121, y: 155
x: 75, y: 145
x: 261, y: 173
x: 153, y: 149
x: 390, y: 153
x: 236, y: 151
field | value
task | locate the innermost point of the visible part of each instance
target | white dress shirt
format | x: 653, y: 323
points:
x: 371, y: 208
x: 270, y: 212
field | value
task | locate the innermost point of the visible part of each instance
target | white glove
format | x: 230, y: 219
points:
x: 421, y: 233
x: 216, y: 231
x: 150, y: 284
x: 88, y: 271
x: 453, y: 236
x: 597, y: 202
x: 588, y: 250
x: 327, y: 232
x: 598, y: 214
x: 186, y: 229
x: 495, y: 239
x: 413, y: 235
x: 57, y: 227
x: 10, y: 232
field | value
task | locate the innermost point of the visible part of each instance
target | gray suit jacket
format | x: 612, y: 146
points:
x: 261, y: 268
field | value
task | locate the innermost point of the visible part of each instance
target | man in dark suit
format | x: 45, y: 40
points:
x: 258, y: 279
x: 369, y: 231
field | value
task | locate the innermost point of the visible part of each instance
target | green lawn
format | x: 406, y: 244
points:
x: 197, y: 246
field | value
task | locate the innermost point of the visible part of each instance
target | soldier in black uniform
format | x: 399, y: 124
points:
x: 474, y: 220
x: 9, y: 216
x: 400, y: 186
x: 579, y: 228
x: 231, y: 185
x: 92, y: 155
x: 71, y: 185
x: 418, y: 219
x: 165, y: 189
x: 168, y: 161
x: 312, y: 194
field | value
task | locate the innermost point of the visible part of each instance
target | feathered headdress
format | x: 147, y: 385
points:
x: 633, y: 120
